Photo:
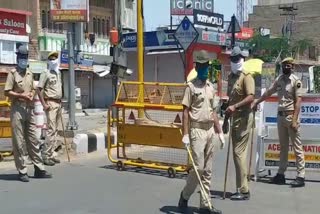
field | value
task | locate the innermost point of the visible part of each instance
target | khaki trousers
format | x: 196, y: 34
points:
x: 285, y: 131
x: 24, y: 137
x: 201, y: 144
x: 53, y: 120
x: 241, y: 135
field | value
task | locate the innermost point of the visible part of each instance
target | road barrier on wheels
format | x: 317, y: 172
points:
x: 153, y: 141
x: 5, y: 126
x: 268, y: 147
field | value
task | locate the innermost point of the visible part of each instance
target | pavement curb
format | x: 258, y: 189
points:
x: 91, y: 142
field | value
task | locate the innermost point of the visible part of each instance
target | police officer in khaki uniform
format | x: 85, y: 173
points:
x: 20, y: 89
x: 50, y: 94
x: 200, y: 121
x: 241, y: 90
x: 289, y: 90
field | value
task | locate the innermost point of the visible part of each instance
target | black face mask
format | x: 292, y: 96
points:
x: 286, y: 69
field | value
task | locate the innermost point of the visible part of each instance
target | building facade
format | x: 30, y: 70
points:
x: 304, y: 24
x: 277, y: 2
x: 46, y: 36
x: 13, y: 32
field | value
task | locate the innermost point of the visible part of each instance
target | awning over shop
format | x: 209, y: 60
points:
x: 101, y: 70
x: 76, y: 67
x: 158, y: 52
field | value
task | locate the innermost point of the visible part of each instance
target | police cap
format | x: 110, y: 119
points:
x: 22, y: 50
x: 288, y: 60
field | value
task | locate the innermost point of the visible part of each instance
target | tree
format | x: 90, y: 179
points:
x: 316, y: 81
x: 270, y: 49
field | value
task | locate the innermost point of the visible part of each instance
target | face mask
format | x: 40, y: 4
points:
x: 237, y: 67
x: 203, y: 73
x: 286, y: 70
x: 54, y: 65
x: 23, y: 64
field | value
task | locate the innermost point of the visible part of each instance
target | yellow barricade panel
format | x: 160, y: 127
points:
x: 160, y: 95
x: 154, y: 140
x: 150, y: 135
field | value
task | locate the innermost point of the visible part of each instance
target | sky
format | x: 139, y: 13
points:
x: 157, y: 12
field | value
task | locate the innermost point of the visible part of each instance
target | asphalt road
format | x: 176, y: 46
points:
x: 92, y: 185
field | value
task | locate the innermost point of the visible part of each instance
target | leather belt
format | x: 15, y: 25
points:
x: 205, y: 126
x: 53, y: 100
x: 22, y: 103
x: 285, y: 113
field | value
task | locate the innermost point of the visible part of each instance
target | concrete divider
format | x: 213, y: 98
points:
x: 87, y: 143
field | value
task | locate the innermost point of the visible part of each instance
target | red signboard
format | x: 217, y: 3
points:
x: 246, y: 33
x: 13, y: 23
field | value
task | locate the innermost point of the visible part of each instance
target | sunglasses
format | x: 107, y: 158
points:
x: 22, y: 56
x: 235, y: 59
x: 287, y: 65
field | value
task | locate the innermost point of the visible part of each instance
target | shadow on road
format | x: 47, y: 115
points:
x: 9, y: 177
x: 160, y: 173
x: 266, y: 180
x: 175, y: 209
x: 219, y: 194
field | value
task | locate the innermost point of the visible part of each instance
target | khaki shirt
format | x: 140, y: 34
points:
x: 20, y: 82
x: 199, y: 98
x: 50, y: 82
x: 288, y: 89
x: 239, y: 87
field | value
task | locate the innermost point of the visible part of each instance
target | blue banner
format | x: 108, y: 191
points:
x: 152, y: 40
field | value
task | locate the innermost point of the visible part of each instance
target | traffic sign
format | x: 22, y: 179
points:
x: 186, y: 33
x: 234, y: 22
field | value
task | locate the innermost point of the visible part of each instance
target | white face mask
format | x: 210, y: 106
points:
x: 237, y: 67
x: 54, y: 65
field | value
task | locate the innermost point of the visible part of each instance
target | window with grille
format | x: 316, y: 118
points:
x: 94, y: 25
x: 99, y: 26
x: 103, y: 27
x: 312, y: 52
x: 8, y: 46
x: 108, y: 27
x: 44, y: 23
x: 50, y: 23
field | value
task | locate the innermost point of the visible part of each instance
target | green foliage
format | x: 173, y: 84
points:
x: 214, y: 70
x: 316, y: 81
x: 269, y: 49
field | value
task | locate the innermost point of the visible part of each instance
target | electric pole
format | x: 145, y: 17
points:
x: 289, y: 12
x: 116, y: 52
x: 72, y: 124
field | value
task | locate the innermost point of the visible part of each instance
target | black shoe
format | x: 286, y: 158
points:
x: 298, y: 182
x: 48, y: 162
x: 41, y: 173
x: 183, y: 203
x: 209, y: 211
x: 55, y: 160
x: 23, y: 177
x: 278, y: 179
x: 240, y: 196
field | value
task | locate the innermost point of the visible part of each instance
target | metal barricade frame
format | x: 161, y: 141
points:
x: 5, y: 125
x: 266, y: 136
x: 164, y: 98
